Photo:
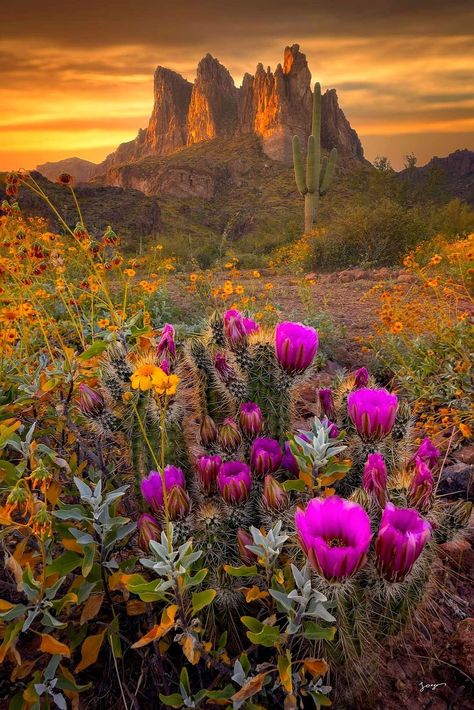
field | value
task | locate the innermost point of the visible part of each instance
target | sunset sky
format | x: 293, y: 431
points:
x: 77, y: 78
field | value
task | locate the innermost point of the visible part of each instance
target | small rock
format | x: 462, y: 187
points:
x: 345, y: 277
x: 466, y: 454
x: 359, y: 274
x: 456, y: 480
x: 383, y: 273
x: 406, y: 278
x: 311, y: 276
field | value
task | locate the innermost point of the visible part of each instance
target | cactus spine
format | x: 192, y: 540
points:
x: 319, y: 173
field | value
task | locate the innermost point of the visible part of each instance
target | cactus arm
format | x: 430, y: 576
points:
x: 324, y: 166
x: 316, y: 133
x: 316, y: 127
x: 298, y: 165
x: 326, y: 179
x: 311, y: 167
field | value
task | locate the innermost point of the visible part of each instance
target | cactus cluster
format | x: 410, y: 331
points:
x: 316, y: 180
x: 235, y: 461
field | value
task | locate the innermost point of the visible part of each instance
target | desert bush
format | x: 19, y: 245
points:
x: 373, y: 235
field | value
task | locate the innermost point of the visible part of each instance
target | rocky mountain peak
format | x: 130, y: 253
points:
x: 274, y: 105
x: 213, y: 106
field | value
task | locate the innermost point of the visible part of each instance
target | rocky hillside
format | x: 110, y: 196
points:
x: 81, y: 170
x: 443, y: 178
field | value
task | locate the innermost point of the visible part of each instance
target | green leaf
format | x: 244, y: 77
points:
x: 65, y: 563
x: 9, y: 474
x: 197, y: 579
x: 146, y: 591
x: 13, y: 613
x: 321, y: 700
x: 184, y: 680
x: 315, y: 632
x: 173, y: 701
x: 223, y: 694
x: 242, y: 571
x: 96, y: 348
x: 294, y: 485
x: 202, y: 599
x: 88, y: 561
x: 259, y: 633
x: 114, y: 638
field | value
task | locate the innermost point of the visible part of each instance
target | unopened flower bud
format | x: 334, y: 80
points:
x: 230, y: 437
x: 243, y: 539
x: 148, y: 530
x: 208, y: 431
x: 178, y: 503
x: 251, y: 419
x: 91, y: 402
x: 274, y: 495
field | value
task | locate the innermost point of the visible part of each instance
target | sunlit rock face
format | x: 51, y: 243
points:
x: 213, y: 107
x: 167, y: 130
x: 277, y: 105
x: 273, y: 105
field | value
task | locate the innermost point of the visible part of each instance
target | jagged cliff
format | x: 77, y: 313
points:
x: 272, y: 105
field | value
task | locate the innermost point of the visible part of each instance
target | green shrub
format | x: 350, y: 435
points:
x: 376, y: 235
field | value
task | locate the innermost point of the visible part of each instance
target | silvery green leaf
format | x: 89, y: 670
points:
x: 298, y: 576
x: 73, y: 513
x: 281, y: 598
x: 51, y: 668
x: 49, y: 620
x: 81, y: 537
x: 60, y: 701
x: 31, y: 616
x: 51, y: 591
x: 84, y: 491
x: 239, y: 676
x: 322, y: 613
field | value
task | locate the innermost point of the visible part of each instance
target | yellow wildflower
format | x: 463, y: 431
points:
x: 147, y: 376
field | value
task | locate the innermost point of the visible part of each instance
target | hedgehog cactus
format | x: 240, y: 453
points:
x: 236, y: 464
x: 319, y: 173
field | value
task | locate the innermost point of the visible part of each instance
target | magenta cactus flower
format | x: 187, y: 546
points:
x: 295, y: 346
x: 226, y: 371
x: 421, y: 488
x: 208, y: 467
x: 402, y: 536
x: 265, y: 456
x: 165, y: 366
x: 148, y: 530
x: 334, y: 534
x: 91, y: 402
x: 250, y: 325
x: 333, y: 430
x: 372, y: 412
x: 152, y: 486
x: 250, y: 419
x: 428, y: 453
x: 374, y: 478
x: 230, y: 437
x: 166, y: 345
x: 234, y: 481
x: 274, y: 496
x: 234, y: 327
x: 326, y: 400
x: 361, y: 377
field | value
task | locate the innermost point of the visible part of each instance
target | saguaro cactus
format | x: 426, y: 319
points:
x: 319, y: 173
